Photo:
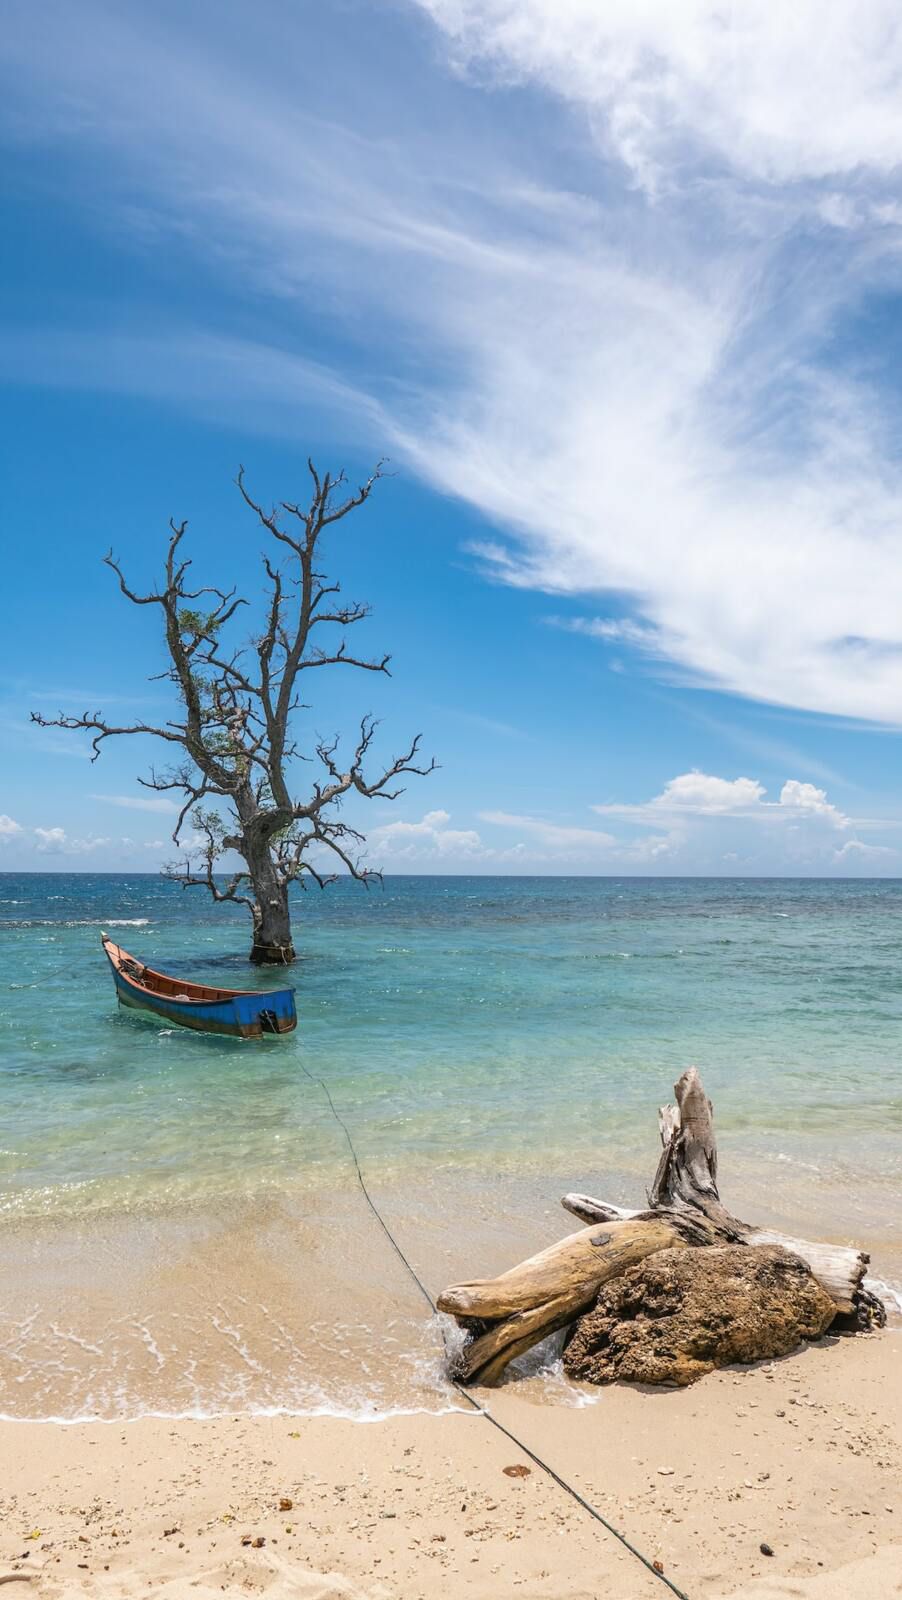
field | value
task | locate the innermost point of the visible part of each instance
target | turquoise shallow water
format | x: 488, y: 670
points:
x: 471, y: 1021
x: 491, y: 1042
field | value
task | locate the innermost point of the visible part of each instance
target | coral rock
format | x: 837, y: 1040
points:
x: 681, y: 1313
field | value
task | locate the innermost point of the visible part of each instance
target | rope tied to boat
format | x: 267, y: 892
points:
x: 477, y: 1405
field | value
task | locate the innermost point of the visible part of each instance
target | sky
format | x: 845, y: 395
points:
x: 617, y: 291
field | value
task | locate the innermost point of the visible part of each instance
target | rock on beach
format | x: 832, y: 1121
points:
x: 682, y: 1313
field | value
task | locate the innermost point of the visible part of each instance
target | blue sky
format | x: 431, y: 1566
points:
x: 616, y: 289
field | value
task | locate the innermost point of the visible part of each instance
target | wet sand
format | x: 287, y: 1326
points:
x: 291, y: 1302
x: 804, y: 1455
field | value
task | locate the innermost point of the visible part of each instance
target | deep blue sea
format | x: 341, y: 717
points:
x: 491, y: 1042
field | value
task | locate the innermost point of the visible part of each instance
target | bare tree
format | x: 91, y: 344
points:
x: 234, y: 744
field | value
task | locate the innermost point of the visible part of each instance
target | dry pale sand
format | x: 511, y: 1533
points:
x: 804, y: 1455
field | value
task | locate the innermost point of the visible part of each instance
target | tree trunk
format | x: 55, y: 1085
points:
x: 507, y: 1315
x: 272, y: 944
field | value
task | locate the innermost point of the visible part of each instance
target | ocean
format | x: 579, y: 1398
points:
x: 180, y: 1226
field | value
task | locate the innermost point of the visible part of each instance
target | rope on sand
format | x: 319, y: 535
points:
x: 464, y: 1393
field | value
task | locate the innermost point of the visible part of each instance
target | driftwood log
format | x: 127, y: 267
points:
x: 507, y: 1315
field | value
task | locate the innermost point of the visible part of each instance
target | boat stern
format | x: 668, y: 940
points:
x: 267, y: 1013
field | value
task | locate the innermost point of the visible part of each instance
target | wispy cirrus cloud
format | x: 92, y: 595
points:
x: 137, y: 802
x: 237, y: 382
x: 761, y: 745
x: 486, y: 724
x: 555, y: 836
x: 621, y: 344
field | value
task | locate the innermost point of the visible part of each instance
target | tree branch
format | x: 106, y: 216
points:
x: 105, y: 730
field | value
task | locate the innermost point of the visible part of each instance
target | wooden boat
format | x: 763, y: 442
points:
x: 243, y: 1013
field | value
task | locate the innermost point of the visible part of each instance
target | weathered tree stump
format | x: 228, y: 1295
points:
x: 507, y: 1315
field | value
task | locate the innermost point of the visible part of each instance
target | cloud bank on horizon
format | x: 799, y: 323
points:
x: 622, y: 277
x: 697, y: 820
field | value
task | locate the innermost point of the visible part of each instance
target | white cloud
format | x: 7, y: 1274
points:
x: 426, y: 840
x: 653, y: 847
x: 8, y: 828
x: 809, y: 801
x: 661, y: 427
x: 689, y: 818
x: 700, y: 794
x: 701, y: 823
x: 56, y: 841
x: 699, y: 791
x: 558, y: 844
x: 690, y: 823
x: 51, y: 840
x: 432, y: 841
x: 779, y: 93
x: 763, y: 570
x: 855, y: 849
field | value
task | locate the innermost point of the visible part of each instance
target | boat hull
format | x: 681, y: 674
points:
x: 238, y: 1014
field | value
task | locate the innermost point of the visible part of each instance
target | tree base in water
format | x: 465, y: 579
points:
x: 272, y: 955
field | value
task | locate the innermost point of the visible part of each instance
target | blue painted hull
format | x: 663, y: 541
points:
x: 241, y: 1014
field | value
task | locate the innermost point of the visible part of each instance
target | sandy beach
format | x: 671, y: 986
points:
x: 803, y: 1455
